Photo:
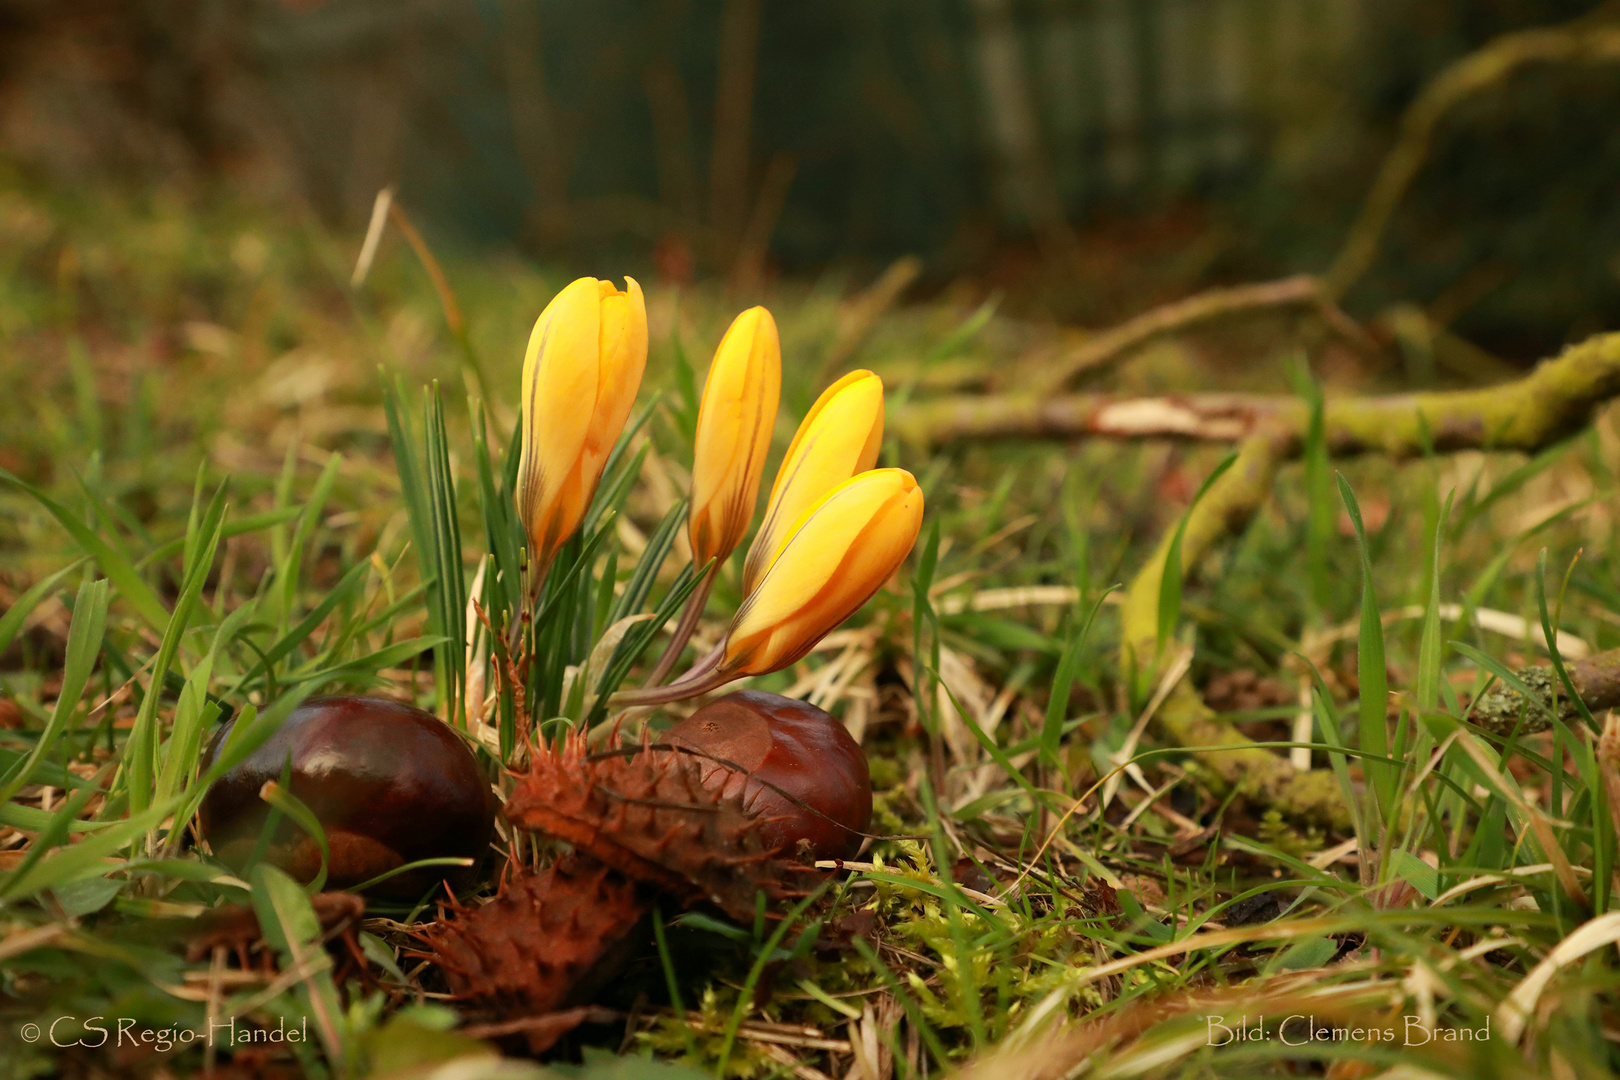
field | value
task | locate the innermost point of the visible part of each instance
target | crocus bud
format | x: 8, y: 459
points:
x: 840, y: 437
x: 734, y: 427
x: 580, y: 377
x: 840, y: 552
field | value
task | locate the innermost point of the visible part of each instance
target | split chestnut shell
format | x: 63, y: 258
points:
x: 794, y: 765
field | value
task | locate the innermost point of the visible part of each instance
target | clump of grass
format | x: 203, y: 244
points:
x: 213, y: 507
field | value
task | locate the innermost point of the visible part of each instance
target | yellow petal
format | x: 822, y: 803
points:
x: 840, y: 553
x: 623, y: 351
x: 735, y: 421
x: 560, y: 371
x: 621, y: 359
x: 840, y: 436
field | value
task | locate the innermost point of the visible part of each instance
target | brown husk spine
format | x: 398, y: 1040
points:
x: 641, y: 820
x: 648, y: 814
x: 544, y: 941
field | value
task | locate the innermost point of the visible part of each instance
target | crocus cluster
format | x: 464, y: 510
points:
x: 835, y: 527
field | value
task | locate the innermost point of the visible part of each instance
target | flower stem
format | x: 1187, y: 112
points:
x: 683, y: 629
x: 705, y: 675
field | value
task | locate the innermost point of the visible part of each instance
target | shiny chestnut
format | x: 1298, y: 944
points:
x: 390, y: 784
x: 794, y: 764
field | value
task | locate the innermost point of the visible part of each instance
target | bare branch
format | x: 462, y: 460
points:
x: 1210, y: 306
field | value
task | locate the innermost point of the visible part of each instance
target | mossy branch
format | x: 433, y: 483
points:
x: 1553, y: 401
x: 1253, y: 771
x: 1549, y: 404
x: 1595, y: 678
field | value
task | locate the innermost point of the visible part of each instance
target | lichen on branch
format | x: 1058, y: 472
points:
x: 1552, y: 402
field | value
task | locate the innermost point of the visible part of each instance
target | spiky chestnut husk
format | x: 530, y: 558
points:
x: 546, y: 940
x: 647, y: 812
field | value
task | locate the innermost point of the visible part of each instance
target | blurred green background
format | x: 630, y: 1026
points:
x: 1086, y: 157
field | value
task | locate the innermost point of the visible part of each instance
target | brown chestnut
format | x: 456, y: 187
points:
x: 389, y: 783
x: 801, y: 770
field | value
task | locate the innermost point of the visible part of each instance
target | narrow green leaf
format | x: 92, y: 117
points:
x: 1431, y: 649
x: 182, y: 751
x: 297, y: 635
x: 120, y: 572
x: 294, y: 807
x: 1057, y: 707
x: 83, y: 647
x: 366, y: 666
x: 290, y: 571
x: 637, y: 640
x: 11, y: 622
x: 140, y: 752
x: 1370, y: 670
x: 405, y: 868
x: 502, y: 531
x: 1171, y: 578
x: 448, y: 592
x: 238, y: 527
x: 645, y: 574
x: 291, y: 927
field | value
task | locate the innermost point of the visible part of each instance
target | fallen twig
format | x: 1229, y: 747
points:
x: 1212, y: 305
x: 1553, y: 401
x: 1596, y: 679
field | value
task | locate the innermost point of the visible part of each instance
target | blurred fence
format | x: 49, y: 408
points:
x: 901, y: 117
x: 1106, y: 98
x: 824, y: 129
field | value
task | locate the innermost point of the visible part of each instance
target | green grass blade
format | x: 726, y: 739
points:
x: 502, y: 532
x: 449, y: 593
x: 237, y: 527
x: 1171, y: 579
x: 183, y: 748
x: 119, y: 570
x: 1550, y: 634
x: 11, y: 622
x: 923, y: 619
x: 289, y: 573
x: 294, y: 807
x: 365, y: 667
x: 291, y: 927
x: 83, y: 646
x: 1431, y: 649
x: 1370, y: 670
x: 637, y: 640
x: 293, y: 638
x: 140, y: 753
x: 1057, y: 707
x: 645, y: 574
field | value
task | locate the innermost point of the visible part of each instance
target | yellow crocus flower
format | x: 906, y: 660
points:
x: 839, y: 553
x: 735, y: 421
x: 581, y: 374
x: 840, y: 437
